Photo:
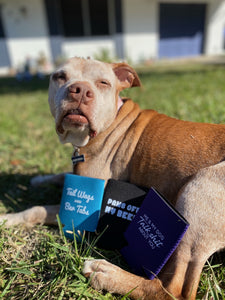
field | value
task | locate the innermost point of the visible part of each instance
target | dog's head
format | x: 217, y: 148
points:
x: 83, y: 97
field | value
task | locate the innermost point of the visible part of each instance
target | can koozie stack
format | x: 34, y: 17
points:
x: 139, y: 222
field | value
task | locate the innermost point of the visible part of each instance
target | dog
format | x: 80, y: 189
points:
x: 183, y: 160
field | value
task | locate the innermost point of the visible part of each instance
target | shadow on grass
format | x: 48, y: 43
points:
x: 16, y: 193
x: 9, y: 85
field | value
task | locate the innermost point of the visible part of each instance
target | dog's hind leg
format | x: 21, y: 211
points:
x: 181, y: 274
x: 31, y: 216
x: 202, y: 203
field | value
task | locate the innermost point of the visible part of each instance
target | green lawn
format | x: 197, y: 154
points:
x: 39, y: 263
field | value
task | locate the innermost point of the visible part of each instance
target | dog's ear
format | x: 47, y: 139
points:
x: 126, y: 75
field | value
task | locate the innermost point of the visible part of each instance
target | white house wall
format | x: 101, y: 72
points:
x: 22, y: 49
x: 85, y: 47
x: 26, y: 30
x: 140, y: 29
x: 215, y: 34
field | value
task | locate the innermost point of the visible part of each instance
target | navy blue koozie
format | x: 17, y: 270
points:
x: 153, y: 235
x: 80, y: 204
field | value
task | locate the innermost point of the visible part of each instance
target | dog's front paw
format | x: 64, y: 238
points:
x: 106, y: 276
x: 103, y: 275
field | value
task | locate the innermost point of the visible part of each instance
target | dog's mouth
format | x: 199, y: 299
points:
x: 75, y: 117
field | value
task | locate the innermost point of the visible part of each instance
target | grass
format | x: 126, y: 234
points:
x: 39, y: 263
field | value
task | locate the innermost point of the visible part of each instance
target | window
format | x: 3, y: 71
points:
x: 77, y: 18
x: 99, y: 20
x: 54, y: 18
x: 2, y: 34
x: 84, y: 17
x: 72, y: 17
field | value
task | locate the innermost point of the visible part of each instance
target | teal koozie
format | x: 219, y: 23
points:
x: 81, y: 203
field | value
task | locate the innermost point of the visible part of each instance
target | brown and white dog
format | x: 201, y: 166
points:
x: 183, y: 160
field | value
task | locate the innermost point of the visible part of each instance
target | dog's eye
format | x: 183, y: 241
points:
x: 103, y: 83
x: 60, y: 77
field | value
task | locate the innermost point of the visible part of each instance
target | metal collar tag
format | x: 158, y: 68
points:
x: 76, y: 158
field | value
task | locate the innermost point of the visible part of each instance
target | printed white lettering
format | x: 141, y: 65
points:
x: 150, y: 232
x: 69, y: 207
x: 130, y: 217
x: 82, y: 210
x: 124, y: 215
x: 71, y: 192
x: 132, y: 208
x: 79, y: 194
x: 110, y: 210
x: 83, y: 195
x: 119, y: 213
x: 109, y: 201
x: 116, y: 203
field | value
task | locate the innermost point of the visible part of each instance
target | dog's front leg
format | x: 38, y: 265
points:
x: 35, y: 215
x: 57, y: 180
x: 106, y: 276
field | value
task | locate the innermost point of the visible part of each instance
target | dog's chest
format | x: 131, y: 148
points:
x: 92, y: 169
x: 102, y: 166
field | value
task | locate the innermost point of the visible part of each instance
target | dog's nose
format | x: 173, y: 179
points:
x: 81, y: 92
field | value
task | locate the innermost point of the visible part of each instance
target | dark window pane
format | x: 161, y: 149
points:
x: 72, y: 17
x: 119, y: 18
x: 99, y: 17
x: 181, y: 20
x: 54, y: 17
x: 2, y: 34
